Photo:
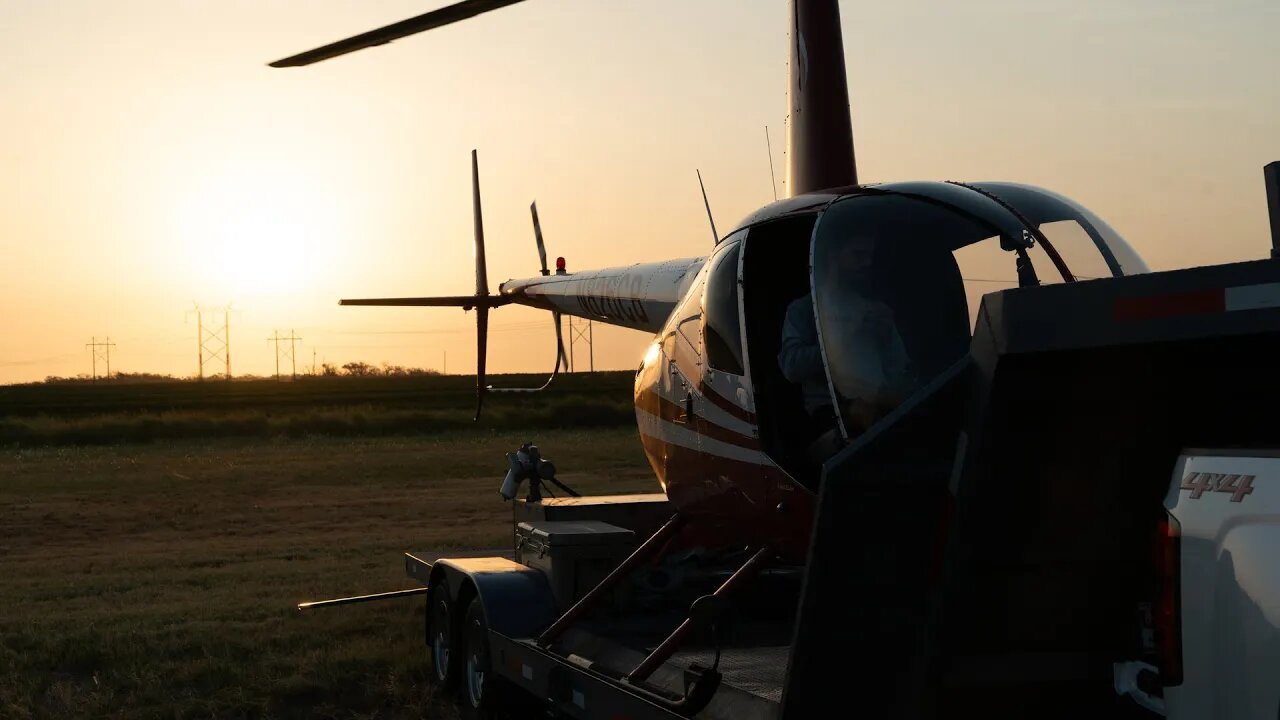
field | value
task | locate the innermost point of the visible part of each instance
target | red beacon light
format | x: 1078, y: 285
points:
x: 560, y: 266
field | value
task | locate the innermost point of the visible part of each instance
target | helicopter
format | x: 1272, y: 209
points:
x: 728, y: 435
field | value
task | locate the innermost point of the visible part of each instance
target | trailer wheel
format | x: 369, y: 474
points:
x: 480, y: 686
x: 441, y: 640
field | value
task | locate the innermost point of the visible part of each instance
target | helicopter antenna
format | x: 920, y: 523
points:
x: 715, y: 236
x: 1271, y: 173
x: 773, y: 179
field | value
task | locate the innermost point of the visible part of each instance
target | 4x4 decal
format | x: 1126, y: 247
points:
x: 1199, y: 483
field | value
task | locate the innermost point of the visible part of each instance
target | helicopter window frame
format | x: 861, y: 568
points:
x: 722, y: 313
x: 679, y: 343
x: 691, y: 338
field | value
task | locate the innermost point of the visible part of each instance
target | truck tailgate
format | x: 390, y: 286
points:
x: 1227, y: 503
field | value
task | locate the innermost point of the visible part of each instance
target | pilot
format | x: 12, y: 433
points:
x: 800, y: 359
x: 874, y: 372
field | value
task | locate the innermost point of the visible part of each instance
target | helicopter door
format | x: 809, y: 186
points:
x: 682, y: 347
x: 774, y: 274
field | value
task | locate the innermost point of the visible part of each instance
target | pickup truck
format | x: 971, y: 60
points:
x: 1216, y: 620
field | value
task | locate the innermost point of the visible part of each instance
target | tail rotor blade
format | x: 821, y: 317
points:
x: 482, y: 347
x: 537, y: 237
x: 482, y: 268
x: 482, y: 286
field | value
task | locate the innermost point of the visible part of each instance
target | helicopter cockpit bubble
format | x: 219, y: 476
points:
x: 889, y: 298
x: 893, y: 307
x: 1088, y: 245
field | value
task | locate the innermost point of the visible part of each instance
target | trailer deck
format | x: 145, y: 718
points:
x: 751, y: 674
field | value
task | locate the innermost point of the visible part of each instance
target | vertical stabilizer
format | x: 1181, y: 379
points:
x: 819, y: 132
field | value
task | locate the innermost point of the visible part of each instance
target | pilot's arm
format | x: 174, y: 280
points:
x: 800, y: 357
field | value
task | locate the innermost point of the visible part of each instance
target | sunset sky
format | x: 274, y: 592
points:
x: 149, y: 158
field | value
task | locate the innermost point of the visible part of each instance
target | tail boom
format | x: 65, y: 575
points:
x: 639, y: 296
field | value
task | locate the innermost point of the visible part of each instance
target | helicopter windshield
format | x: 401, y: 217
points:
x: 1080, y: 237
x: 889, y: 298
x: 898, y: 272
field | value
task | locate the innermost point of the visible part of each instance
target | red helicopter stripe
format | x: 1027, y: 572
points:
x: 673, y: 412
x: 727, y: 405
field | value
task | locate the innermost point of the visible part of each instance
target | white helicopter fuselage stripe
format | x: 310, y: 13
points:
x: 709, y: 410
x: 671, y: 433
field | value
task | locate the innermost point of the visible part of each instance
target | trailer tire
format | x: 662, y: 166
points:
x: 481, y: 693
x: 442, y: 641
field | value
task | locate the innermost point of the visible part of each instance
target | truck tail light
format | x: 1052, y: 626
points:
x: 1168, y: 615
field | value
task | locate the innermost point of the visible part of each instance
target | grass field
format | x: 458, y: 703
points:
x: 107, y: 413
x: 158, y: 579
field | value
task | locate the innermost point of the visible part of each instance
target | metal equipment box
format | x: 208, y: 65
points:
x: 574, y: 555
x: 642, y: 514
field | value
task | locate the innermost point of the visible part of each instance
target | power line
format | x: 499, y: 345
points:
x: 100, y: 350
x: 39, y: 361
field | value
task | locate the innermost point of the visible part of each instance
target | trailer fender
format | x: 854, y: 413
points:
x: 516, y: 599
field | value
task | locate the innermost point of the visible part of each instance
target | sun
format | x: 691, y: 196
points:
x: 260, y: 249
x: 250, y: 234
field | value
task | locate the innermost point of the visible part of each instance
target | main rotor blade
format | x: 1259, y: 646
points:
x: 383, y: 35
x: 462, y: 301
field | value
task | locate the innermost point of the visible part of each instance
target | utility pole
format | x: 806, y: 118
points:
x: 580, y: 332
x: 226, y: 337
x: 100, y: 350
x: 287, y: 352
x: 445, y: 366
x: 213, y: 342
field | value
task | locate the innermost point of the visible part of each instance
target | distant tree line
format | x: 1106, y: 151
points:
x: 363, y: 369
x: 351, y: 369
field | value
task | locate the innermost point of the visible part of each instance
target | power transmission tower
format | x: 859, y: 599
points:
x: 581, y: 332
x: 287, y: 352
x: 101, y: 350
x: 213, y: 341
